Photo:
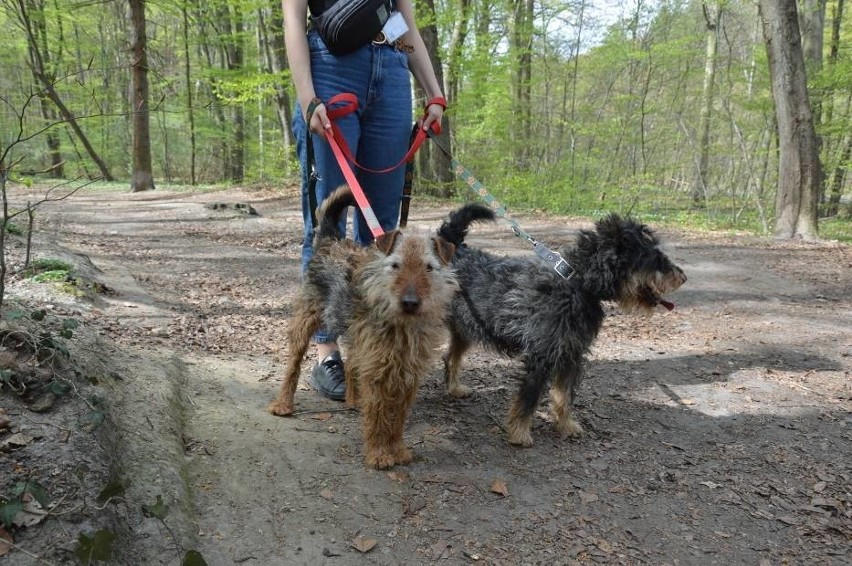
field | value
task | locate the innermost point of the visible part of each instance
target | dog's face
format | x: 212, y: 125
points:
x: 643, y: 272
x: 413, y: 275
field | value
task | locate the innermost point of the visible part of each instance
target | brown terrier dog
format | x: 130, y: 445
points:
x: 390, y: 301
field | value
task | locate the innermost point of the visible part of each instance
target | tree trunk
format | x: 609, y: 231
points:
x: 434, y: 163
x: 232, y: 39
x: 520, y: 49
x: 39, y: 70
x: 799, y: 165
x: 48, y: 112
x: 143, y: 177
x: 712, y: 16
x: 455, y: 49
x: 190, y: 112
x: 812, y: 22
x: 837, y: 178
x: 275, y: 56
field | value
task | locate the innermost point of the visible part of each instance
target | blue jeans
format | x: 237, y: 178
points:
x: 378, y: 134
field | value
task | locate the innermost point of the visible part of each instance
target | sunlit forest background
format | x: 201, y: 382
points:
x: 662, y: 108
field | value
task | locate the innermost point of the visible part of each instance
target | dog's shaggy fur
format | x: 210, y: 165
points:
x: 390, y: 301
x: 523, y: 308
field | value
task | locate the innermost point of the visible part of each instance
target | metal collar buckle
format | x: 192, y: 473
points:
x: 564, y: 269
x: 554, y: 260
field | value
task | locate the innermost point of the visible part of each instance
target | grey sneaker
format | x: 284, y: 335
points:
x: 327, y: 377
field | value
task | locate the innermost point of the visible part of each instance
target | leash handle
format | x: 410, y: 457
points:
x: 346, y: 103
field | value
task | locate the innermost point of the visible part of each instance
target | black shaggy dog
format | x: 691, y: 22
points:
x: 522, y: 308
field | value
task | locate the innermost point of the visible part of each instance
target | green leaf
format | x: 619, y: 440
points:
x: 33, y: 488
x: 159, y: 509
x: 38, y: 315
x: 70, y: 324
x: 91, y: 420
x: 58, y: 388
x: 8, y: 512
x: 96, y: 547
x: 65, y: 333
x: 115, y: 488
x: 16, y: 314
x: 193, y: 558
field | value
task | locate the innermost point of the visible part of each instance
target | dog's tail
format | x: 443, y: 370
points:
x: 455, y: 229
x: 328, y: 214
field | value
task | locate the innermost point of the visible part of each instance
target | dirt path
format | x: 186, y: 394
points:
x: 717, y: 434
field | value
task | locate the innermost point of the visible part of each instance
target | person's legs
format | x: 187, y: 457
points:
x: 331, y: 76
x: 386, y: 123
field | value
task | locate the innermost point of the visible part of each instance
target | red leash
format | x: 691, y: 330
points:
x: 347, y: 103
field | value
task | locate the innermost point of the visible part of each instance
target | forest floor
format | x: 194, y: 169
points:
x: 718, y: 433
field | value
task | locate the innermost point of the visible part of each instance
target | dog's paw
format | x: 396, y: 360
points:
x: 403, y: 455
x: 280, y: 408
x: 569, y: 428
x: 380, y: 460
x: 521, y: 438
x: 385, y: 458
x: 459, y: 391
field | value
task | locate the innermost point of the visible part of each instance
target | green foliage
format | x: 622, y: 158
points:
x: 49, y: 264
x: 95, y: 548
x: 54, y: 276
x: 193, y: 558
x: 159, y: 509
x: 8, y: 511
x: 14, y: 500
x: 836, y: 228
x: 112, y: 490
x: 14, y: 228
x: 48, y: 270
x: 33, y: 488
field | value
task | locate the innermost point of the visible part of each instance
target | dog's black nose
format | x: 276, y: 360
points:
x: 409, y: 302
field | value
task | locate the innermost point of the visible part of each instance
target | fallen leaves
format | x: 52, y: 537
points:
x: 327, y: 494
x: 31, y: 514
x: 498, y: 486
x: 6, y: 542
x: 17, y: 440
x: 441, y: 550
x: 587, y: 497
x: 363, y: 544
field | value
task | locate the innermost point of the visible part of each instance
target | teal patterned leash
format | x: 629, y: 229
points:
x: 552, y: 258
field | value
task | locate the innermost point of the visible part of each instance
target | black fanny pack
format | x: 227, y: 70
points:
x: 347, y: 25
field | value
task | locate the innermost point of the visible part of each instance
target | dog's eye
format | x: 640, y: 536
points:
x: 430, y: 267
x: 395, y: 266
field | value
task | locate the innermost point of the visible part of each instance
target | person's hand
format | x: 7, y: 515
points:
x: 319, y: 121
x: 434, y: 113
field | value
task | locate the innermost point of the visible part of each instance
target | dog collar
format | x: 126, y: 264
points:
x: 554, y: 260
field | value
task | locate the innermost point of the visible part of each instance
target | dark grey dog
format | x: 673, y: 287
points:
x: 522, y: 308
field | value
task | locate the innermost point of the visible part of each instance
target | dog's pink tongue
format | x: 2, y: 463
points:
x: 668, y: 305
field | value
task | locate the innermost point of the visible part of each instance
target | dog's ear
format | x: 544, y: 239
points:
x: 386, y: 241
x: 443, y: 249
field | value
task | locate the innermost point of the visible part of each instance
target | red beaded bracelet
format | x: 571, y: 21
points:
x: 439, y: 100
